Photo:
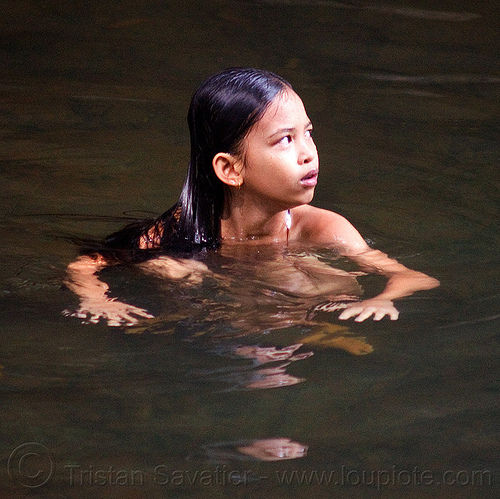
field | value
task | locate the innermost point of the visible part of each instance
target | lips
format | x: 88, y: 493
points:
x: 310, y: 179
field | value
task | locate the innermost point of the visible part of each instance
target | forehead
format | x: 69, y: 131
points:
x: 286, y: 110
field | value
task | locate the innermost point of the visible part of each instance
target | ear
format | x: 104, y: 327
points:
x: 228, y: 169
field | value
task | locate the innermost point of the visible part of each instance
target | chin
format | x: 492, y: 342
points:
x: 309, y: 197
x: 302, y: 202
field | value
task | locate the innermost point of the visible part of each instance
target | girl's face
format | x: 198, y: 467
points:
x: 279, y: 156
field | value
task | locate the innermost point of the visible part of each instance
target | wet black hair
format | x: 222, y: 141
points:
x: 223, y: 110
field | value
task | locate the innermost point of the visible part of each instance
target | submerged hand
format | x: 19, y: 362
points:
x: 377, y: 307
x: 115, y: 312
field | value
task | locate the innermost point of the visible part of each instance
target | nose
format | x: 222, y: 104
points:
x: 307, y: 151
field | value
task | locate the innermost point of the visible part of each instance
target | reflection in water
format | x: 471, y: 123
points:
x: 269, y: 449
x: 274, y: 449
x: 255, y: 377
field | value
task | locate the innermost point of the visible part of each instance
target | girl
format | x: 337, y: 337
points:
x: 251, y: 177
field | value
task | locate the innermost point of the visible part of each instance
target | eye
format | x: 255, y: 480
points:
x: 287, y: 139
x: 309, y: 133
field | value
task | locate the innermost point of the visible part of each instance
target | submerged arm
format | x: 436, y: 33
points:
x: 83, y: 279
x: 333, y: 229
x: 401, y: 282
x: 95, y: 303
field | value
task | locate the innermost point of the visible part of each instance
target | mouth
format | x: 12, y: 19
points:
x: 310, y: 179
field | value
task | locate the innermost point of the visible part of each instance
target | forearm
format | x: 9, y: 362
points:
x: 405, y: 283
x: 83, y: 280
x: 402, y: 281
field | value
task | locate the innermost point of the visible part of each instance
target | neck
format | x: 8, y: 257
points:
x: 243, y: 223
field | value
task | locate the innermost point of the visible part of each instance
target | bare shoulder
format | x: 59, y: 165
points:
x: 319, y: 226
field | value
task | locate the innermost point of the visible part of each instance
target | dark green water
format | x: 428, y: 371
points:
x: 404, y: 97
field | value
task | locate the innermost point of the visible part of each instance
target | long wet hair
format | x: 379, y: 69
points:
x: 223, y: 110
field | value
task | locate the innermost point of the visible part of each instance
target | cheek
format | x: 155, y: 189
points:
x: 263, y: 166
x: 269, y: 169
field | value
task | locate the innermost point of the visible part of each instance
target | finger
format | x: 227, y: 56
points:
x: 141, y: 312
x: 146, y: 315
x: 350, y: 312
x: 364, y: 314
x: 302, y: 356
x: 274, y: 354
x: 94, y: 319
x: 394, y: 315
x: 291, y: 348
x: 380, y: 314
x: 130, y: 320
x: 277, y: 356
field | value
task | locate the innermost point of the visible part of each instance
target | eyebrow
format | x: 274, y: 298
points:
x: 287, y: 130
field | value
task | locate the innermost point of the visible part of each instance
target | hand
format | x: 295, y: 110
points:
x: 377, y: 307
x: 115, y: 312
